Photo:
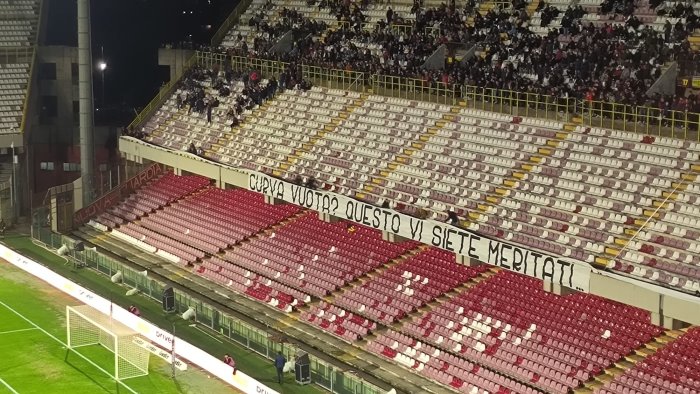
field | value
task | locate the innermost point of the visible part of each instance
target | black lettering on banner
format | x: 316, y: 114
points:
x: 416, y: 228
x: 308, y: 199
x: 395, y: 222
x: 537, y: 257
x: 494, y: 251
x: 376, y: 218
x: 252, y: 182
x: 325, y: 203
x: 295, y: 194
x: 563, y: 265
x: 462, y: 235
x: 319, y: 201
x: 473, y: 238
x: 548, y: 269
x: 446, y: 241
x: 503, y: 262
x: 266, y: 185
x: 518, y: 259
x: 334, y: 204
x: 366, y: 215
x: 349, y: 208
x: 437, y: 236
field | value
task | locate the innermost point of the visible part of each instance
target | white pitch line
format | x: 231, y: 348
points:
x: 205, y: 333
x: 8, y: 386
x: 20, y: 330
x: 65, y: 345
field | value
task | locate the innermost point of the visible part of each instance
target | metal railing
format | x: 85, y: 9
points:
x: 322, y: 373
x: 641, y: 119
x: 267, y: 68
x: 415, y: 89
x: 27, y: 98
x: 16, y: 54
x: 163, y: 94
x: 397, y: 28
x: 335, y: 78
x: 637, y: 119
x: 227, y: 24
x: 518, y: 103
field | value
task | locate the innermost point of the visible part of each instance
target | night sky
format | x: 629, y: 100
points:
x: 131, y: 31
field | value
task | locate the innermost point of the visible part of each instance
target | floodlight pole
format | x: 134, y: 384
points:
x: 172, y: 353
x: 86, y: 101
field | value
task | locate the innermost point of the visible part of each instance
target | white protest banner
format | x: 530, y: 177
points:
x: 566, y: 272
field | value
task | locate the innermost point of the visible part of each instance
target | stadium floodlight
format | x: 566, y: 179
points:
x: 189, y: 314
x: 102, y: 66
x: 63, y: 250
x: 86, y: 326
x: 117, y: 278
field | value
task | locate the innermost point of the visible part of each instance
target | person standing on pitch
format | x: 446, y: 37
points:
x: 279, y: 365
x: 228, y: 360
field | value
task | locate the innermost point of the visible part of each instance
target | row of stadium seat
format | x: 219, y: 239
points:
x: 672, y: 369
x: 500, y: 332
x: 573, y: 193
x: 13, y: 87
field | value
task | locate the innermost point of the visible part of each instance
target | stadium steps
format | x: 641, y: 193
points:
x: 532, y: 8
x: 694, y: 41
x: 494, y: 200
x: 630, y: 361
x: 404, y: 156
x: 446, y: 297
x: 649, y: 216
x: 321, y: 133
x: 288, y: 326
x: 159, y: 131
x: 370, y: 275
x: 434, y: 304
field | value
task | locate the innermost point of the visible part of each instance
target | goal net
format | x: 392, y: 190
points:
x: 87, y: 326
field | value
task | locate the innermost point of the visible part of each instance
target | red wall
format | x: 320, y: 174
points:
x: 44, y: 179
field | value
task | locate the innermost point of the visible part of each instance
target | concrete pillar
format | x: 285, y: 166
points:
x: 178, y: 171
x: 85, y: 101
x: 328, y: 218
x: 656, y: 318
x: 273, y: 201
x: 556, y: 288
x: 670, y: 323
x: 391, y: 237
x: 468, y: 261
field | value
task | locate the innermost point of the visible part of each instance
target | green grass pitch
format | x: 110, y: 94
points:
x: 34, y: 359
x: 247, y: 361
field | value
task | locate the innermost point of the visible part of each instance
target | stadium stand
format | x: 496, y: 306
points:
x: 671, y: 369
x: 18, y: 26
x: 18, y: 20
x: 407, y: 286
x: 541, y: 184
x: 13, y: 88
x: 559, y: 48
x: 554, y: 342
x: 473, y: 329
x: 619, y: 201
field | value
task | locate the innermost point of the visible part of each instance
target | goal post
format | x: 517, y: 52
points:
x: 87, y: 326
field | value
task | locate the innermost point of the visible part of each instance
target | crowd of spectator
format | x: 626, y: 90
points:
x: 266, y: 34
x: 614, y: 61
x: 201, y: 90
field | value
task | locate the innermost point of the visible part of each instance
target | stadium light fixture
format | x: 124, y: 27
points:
x: 102, y: 66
